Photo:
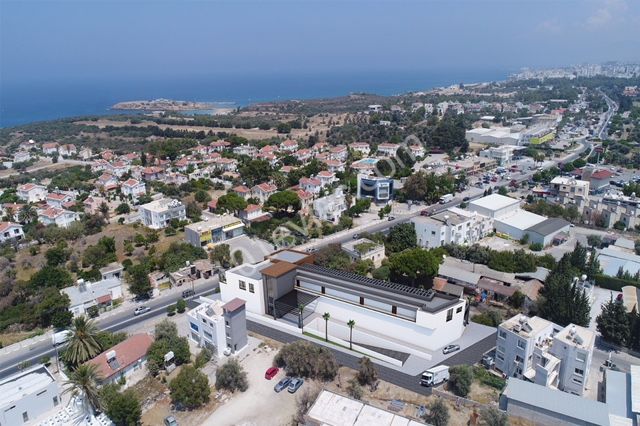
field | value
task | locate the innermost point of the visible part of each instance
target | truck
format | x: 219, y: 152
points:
x: 60, y: 337
x: 446, y: 198
x: 434, y: 376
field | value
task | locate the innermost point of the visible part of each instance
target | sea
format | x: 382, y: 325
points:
x: 28, y: 102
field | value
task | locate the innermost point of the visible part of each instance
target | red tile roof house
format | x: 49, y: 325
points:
x: 253, y: 213
x: 212, y: 206
x: 312, y: 185
x: 219, y: 145
x: 123, y: 360
x: 133, y: 188
x: 303, y: 155
x: 306, y: 199
x: 242, y: 191
x: 10, y: 231
x: 598, y: 179
x: 58, y: 200
x: 267, y: 156
x: 289, y: 146
x: 387, y: 149
x: 263, y: 191
x: 339, y: 153
x: 50, y: 148
x: 269, y: 149
x: 67, y: 150
x: 326, y: 177
x: 107, y: 182
x: 335, y: 165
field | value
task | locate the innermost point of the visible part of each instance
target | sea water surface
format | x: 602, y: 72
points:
x: 27, y: 101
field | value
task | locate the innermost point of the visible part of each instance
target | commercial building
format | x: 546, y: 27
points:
x: 219, y: 326
x: 213, y: 230
x: 453, y: 226
x: 546, y: 231
x: 493, y: 136
x: 389, y: 315
x: 545, y: 353
x: 332, y: 409
x: 365, y: 249
x: 123, y: 360
x: 85, y: 296
x: 495, y: 206
x: 501, y: 154
x: 378, y: 189
x: 159, y: 213
x: 570, y: 188
x: 26, y: 395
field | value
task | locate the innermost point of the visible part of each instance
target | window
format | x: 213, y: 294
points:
x: 579, y: 371
x: 522, y: 344
x: 25, y: 417
x: 576, y: 381
x: 499, y: 356
x: 227, y: 323
x: 519, y: 358
x: 55, y: 401
x: 208, y: 335
x: 193, y: 326
x: 459, y: 310
x: 581, y: 357
x: 449, y: 314
x: 502, y: 334
x: 251, y: 289
x: 243, y: 285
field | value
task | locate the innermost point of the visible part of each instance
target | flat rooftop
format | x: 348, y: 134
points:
x: 522, y: 219
x: 331, y: 409
x: 576, y: 335
x: 17, y: 386
x: 251, y: 271
x: 214, y: 222
x: 350, y: 246
x: 494, y: 202
x: 161, y: 205
x: 549, y: 226
x: 536, y: 324
x: 291, y: 256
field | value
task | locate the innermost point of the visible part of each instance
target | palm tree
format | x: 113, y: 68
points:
x: 84, y: 381
x: 83, y: 344
x: 326, y: 317
x: 27, y: 214
x: 351, y: 324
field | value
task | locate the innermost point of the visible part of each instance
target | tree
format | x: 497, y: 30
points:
x: 203, y: 358
x: 326, y: 317
x: 284, y: 201
x: 231, y: 376
x: 104, y: 210
x: 53, y: 309
x: 460, y: 379
x: 237, y: 257
x: 27, y: 213
x: 84, y: 380
x: 138, y: 279
x: 351, y: 324
x: 354, y: 389
x: 438, y: 414
x: 415, y: 267
x: 305, y: 359
x: 194, y: 212
x: 361, y: 206
x: 51, y: 276
x: 517, y: 299
x: 190, y: 389
x: 221, y: 254
x: 181, y: 306
x: 231, y: 203
x: 491, y: 416
x: 178, y: 254
x: 202, y: 196
x: 502, y: 191
x: 613, y: 323
x: 367, y: 374
x: 401, y: 237
x: 255, y: 171
x: 123, y: 208
x: 83, y: 344
x: 167, y: 339
x: 429, y: 187
x: 123, y: 408
x: 57, y: 255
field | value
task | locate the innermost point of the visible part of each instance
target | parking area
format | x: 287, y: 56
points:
x: 253, y: 249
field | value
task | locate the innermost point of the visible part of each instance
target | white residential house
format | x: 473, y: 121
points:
x: 331, y: 207
x: 312, y: 185
x: 326, y: 178
x: 417, y: 151
x: 248, y: 150
x: 339, y: 153
x: 387, y: 149
x: 107, y: 181
x: 59, y: 199
x: 289, y: 146
x: 219, y: 146
x: 242, y: 191
x: 452, y: 226
x: 361, y: 147
x: 67, y: 150
x: 570, y: 188
x: 159, y: 213
x: 252, y: 212
x: 133, y: 188
x: 59, y: 217
x: 31, y: 192
x: 21, y: 157
x: 50, y: 148
x: 118, y: 168
x: 303, y: 155
x: 263, y: 191
x: 85, y: 153
x: 27, y: 395
x: 219, y: 326
x: 10, y: 231
x: 85, y: 295
x: 545, y: 353
x: 335, y: 165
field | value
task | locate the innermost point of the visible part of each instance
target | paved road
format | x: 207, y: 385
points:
x: 116, y: 322
x: 470, y: 355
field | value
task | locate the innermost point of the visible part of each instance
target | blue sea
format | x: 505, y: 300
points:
x: 26, y: 102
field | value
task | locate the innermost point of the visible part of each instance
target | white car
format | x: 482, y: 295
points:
x: 141, y: 310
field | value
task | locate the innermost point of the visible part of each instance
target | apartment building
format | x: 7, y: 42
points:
x: 545, y: 353
x: 331, y: 207
x: 219, y: 326
x: 213, y: 230
x: 453, y: 226
x: 570, y: 188
x: 159, y: 213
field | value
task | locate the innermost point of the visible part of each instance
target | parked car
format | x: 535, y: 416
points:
x: 356, y: 236
x: 450, y: 348
x: 282, y: 384
x: 170, y: 421
x: 465, y: 199
x: 141, y: 310
x: 61, y: 337
x: 188, y: 293
x: 271, y: 373
x: 391, y: 218
x: 610, y: 365
x: 295, y: 384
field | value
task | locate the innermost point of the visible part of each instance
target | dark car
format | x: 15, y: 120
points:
x: 356, y: 236
x: 188, y: 293
x: 295, y: 384
x: 391, y: 218
x: 282, y: 384
x: 465, y: 199
x: 450, y: 348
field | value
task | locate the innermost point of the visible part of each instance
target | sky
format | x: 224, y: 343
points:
x: 71, y: 40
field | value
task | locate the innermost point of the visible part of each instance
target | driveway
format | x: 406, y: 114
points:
x: 253, y: 249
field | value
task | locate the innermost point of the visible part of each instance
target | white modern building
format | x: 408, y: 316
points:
x: 133, y: 188
x: 219, y: 326
x: 388, y: 315
x: 495, y: 206
x: 502, y: 154
x: 545, y: 353
x: 330, y: 207
x: 378, y: 189
x: 570, y: 188
x: 31, y: 192
x: 453, y: 226
x: 159, y: 213
x: 365, y: 249
x: 85, y: 295
x: 493, y: 136
x: 26, y: 395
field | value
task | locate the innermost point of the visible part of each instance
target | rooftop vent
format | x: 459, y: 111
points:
x: 430, y: 294
x: 517, y: 328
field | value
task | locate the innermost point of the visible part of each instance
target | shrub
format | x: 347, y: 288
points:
x: 306, y: 359
x: 367, y: 373
x: 491, y: 318
x: 535, y: 247
x: 171, y: 310
x: 438, y: 414
x: 203, y: 357
x: 231, y: 376
x: 491, y: 416
x: 460, y: 379
x: 354, y: 389
x: 190, y: 389
x: 181, y: 306
x: 614, y: 283
x: 488, y: 379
